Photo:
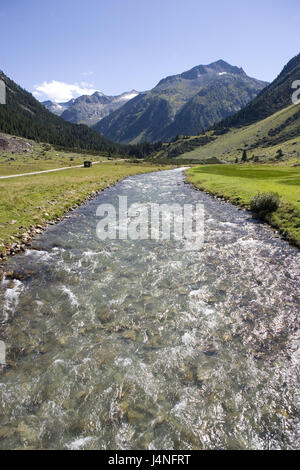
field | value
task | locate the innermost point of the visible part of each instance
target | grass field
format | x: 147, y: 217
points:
x: 33, y: 200
x: 14, y: 163
x: 257, y: 139
x: 239, y: 183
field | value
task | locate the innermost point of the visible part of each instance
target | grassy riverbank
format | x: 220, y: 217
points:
x: 34, y: 200
x: 239, y: 183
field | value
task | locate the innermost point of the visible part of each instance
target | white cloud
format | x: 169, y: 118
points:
x: 87, y: 74
x: 61, y: 91
x: 86, y: 85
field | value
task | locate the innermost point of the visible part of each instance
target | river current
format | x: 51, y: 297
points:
x: 124, y: 344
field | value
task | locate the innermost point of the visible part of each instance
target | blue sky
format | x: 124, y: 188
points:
x: 62, y: 48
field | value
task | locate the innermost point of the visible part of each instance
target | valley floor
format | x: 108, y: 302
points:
x: 239, y: 183
x: 25, y: 156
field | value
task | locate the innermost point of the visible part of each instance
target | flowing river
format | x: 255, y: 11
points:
x: 126, y: 344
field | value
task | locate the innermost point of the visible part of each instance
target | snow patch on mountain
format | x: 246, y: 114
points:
x: 89, y: 109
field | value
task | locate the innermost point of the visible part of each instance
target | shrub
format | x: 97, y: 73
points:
x: 264, y: 204
x: 279, y: 154
x: 244, y: 156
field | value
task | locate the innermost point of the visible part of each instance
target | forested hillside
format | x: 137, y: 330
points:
x: 24, y: 116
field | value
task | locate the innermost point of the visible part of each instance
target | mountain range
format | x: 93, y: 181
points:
x: 271, y: 112
x: 266, y: 127
x: 89, y: 109
x: 24, y: 116
x: 187, y: 103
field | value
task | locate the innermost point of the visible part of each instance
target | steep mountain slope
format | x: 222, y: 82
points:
x: 275, y: 137
x: 261, y: 140
x: 197, y: 98
x: 91, y: 109
x: 271, y: 99
x: 224, y: 96
x: 24, y: 116
x: 57, y: 108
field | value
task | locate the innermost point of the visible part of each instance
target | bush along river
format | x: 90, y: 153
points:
x: 123, y: 344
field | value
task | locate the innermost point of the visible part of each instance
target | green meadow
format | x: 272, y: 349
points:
x: 239, y: 183
x: 39, y: 160
x: 262, y: 141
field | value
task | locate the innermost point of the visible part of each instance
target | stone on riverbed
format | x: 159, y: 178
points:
x: 6, y: 431
x: 104, y: 315
x: 203, y: 374
x: 27, y: 433
x: 20, y: 276
x: 129, y: 334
